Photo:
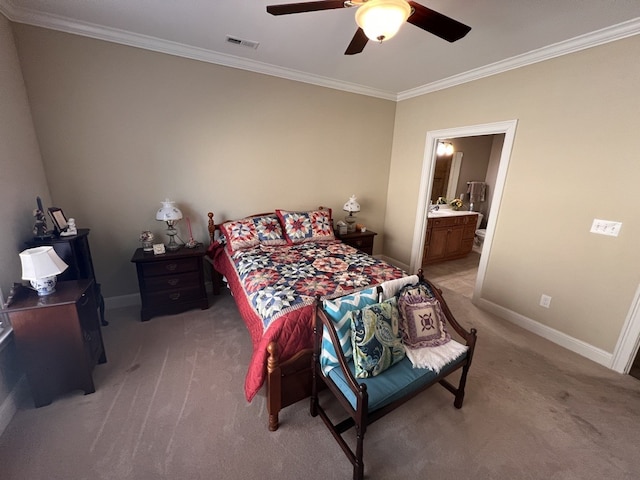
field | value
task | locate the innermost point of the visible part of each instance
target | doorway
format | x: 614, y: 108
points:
x: 507, y: 128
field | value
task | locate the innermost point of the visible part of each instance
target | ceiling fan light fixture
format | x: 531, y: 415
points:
x: 382, y: 19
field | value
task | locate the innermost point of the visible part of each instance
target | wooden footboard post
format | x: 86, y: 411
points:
x: 216, y: 278
x: 274, y: 386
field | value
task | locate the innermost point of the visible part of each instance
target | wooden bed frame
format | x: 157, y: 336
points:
x: 287, y: 382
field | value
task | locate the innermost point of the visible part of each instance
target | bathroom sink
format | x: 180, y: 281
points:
x: 448, y: 213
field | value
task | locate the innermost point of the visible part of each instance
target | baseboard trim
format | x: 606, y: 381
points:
x: 9, y: 407
x: 394, y: 262
x: 570, y: 343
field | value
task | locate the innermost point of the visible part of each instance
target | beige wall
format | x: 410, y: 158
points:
x: 575, y: 158
x: 22, y: 179
x: 122, y: 128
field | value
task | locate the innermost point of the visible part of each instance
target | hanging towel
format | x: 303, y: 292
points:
x: 476, y: 191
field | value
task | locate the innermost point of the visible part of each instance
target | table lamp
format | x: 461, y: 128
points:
x: 40, y: 265
x: 171, y: 214
x: 351, y: 206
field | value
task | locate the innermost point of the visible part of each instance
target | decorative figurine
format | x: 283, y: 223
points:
x: 146, y: 238
x: 40, y: 229
x: 71, y: 228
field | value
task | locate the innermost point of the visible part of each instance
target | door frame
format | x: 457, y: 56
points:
x: 508, y: 128
x: 628, y: 343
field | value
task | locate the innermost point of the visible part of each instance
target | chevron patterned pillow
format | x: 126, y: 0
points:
x: 339, y: 311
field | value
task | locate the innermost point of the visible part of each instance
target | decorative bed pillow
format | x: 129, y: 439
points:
x: 240, y: 234
x: 339, y: 311
x: 422, y: 325
x: 312, y: 226
x: 250, y: 231
x: 376, y: 338
x: 269, y: 230
x: 422, y: 322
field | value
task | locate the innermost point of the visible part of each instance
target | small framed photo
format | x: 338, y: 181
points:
x: 59, y: 220
x: 158, y: 248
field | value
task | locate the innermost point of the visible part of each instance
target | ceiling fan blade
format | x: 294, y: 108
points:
x: 358, y: 43
x: 440, y: 25
x: 287, y: 8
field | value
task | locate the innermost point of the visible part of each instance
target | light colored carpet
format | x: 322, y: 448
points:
x: 169, y: 405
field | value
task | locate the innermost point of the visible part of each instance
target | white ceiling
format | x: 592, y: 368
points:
x: 309, y: 47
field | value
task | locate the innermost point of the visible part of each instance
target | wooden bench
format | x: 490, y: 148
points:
x: 369, y: 399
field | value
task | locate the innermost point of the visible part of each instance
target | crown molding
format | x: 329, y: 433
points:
x: 63, y: 24
x: 582, y: 42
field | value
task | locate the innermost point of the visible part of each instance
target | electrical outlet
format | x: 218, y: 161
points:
x: 545, y: 301
x: 605, y: 227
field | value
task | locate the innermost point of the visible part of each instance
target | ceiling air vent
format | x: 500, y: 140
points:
x: 242, y: 43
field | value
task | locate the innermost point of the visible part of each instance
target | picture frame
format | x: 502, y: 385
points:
x: 58, y: 218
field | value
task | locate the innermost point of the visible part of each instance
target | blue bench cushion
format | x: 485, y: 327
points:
x: 392, y: 384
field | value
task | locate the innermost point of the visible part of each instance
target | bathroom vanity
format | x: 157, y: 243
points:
x: 450, y: 235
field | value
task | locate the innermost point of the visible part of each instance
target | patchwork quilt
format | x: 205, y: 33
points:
x: 275, y: 287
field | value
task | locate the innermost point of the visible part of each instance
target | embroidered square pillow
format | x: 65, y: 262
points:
x: 376, y: 339
x: 240, y: 234
x: 339, y: 311
x: 422, y: 324
x: 312, y: 226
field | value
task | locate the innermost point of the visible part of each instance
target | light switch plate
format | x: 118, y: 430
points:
x: 606, y: 227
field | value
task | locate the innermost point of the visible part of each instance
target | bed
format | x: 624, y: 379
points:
x: 277, y: 265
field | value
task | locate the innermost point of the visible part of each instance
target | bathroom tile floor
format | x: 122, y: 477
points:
x: 457, y: 275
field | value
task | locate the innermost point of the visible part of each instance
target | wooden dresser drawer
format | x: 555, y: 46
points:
x: 171, y: 282
x: 363, y: 241
x: 175, y: 296
x: 170, y: 266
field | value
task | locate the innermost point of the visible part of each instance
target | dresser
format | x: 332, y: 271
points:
x: 449, y: 237
x: 361, y: 240
x: 171, y: 282
x: 58, y: 338
x: 75, y: 252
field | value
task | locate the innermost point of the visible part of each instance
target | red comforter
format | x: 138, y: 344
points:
x: 275, y: 286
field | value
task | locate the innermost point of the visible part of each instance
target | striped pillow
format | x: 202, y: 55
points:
x: 339, y: 311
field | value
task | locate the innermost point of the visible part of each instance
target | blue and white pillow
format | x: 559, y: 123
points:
x: 376, y: 339
x: 339, y: 311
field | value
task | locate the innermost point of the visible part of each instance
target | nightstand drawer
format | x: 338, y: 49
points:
x: 171, y: 282
x: 176, y: 296
x: 364, y: 243
x: 170, y: 266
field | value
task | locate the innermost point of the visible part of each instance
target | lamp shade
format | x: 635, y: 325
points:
x: 381, y: 19
x: 352, y: 205
x: 168, y: 211
x: 41, y: 262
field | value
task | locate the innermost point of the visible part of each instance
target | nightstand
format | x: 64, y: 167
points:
x: 75, y: 252
x: 172, y: 282
x: 361, y: 240
x: 58, y: 338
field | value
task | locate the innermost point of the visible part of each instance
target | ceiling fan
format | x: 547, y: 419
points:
x: 380, y: 20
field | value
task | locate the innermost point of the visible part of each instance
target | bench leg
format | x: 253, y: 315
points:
x: 463, y: 382
x: 358, y: 464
